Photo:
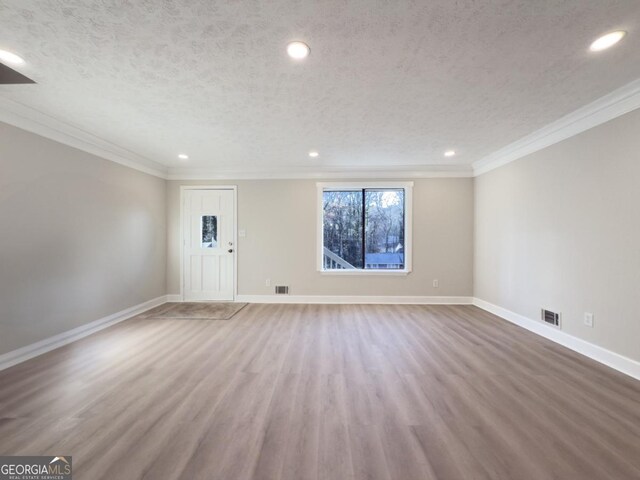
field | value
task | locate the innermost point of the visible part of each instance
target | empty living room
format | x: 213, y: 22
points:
x: 319, y: 240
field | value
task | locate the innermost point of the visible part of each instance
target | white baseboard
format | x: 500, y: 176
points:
x: 614, y: 360
x: 25, y: 353
x: 356, y: 299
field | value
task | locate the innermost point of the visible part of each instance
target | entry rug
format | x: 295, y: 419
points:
x: 196, y: 311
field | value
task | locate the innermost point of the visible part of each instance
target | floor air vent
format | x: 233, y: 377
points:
x: 552, y: 318
x: 282, y: 290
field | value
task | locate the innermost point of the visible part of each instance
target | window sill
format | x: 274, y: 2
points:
x: 365, y: 272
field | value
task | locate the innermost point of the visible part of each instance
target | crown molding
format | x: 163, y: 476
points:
x: 608, y: 107
x: 35, y: 121
x: 283, y: 173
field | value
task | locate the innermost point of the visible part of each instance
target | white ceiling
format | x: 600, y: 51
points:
x: 389, y: 83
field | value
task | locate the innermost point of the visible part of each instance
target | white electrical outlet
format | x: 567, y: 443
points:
x: 436, y: 283
x: 242, y: 233
x: 588, y: 319
x: 267, y: 282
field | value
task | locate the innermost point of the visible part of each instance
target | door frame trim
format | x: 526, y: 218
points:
x: 234, y: 188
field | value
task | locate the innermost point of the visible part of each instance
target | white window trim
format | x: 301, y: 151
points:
x: 408, y: 225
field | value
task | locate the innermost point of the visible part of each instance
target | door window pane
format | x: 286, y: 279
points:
x: 209, y: 229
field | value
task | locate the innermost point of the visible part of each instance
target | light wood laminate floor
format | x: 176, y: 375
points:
x: 335, y: 392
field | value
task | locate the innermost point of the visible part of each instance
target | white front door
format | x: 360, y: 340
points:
x: 208, y: 228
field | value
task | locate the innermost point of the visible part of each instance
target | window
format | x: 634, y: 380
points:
x: 364, y: 228
x: 209, y: 229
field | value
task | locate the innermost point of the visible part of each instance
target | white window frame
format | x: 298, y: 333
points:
x: 408, y: 225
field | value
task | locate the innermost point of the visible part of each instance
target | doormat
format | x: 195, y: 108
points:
x: 196, y: 310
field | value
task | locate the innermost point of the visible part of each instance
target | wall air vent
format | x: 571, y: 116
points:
x: 282, y: 290
x: 552, y: 318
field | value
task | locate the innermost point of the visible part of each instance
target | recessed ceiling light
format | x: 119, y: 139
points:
x: 298, y: 50
x: 607, y: 41
x: 449, y: 153
x: 313, y: 154
x: 8, y: 57
x: 183, y: 156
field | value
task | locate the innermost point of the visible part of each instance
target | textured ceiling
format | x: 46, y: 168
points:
x: 387, y: 82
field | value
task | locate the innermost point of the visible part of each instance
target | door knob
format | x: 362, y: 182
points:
x: 230, y: 250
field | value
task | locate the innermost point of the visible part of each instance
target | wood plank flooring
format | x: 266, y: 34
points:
x: 331, y: 392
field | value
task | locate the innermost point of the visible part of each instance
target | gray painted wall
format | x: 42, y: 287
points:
x: 81, y: 238
x: 558, y: 229
x: 561, y: 229
x: 279, y: 217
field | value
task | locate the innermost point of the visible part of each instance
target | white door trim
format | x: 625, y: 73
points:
x: 233, y: 188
